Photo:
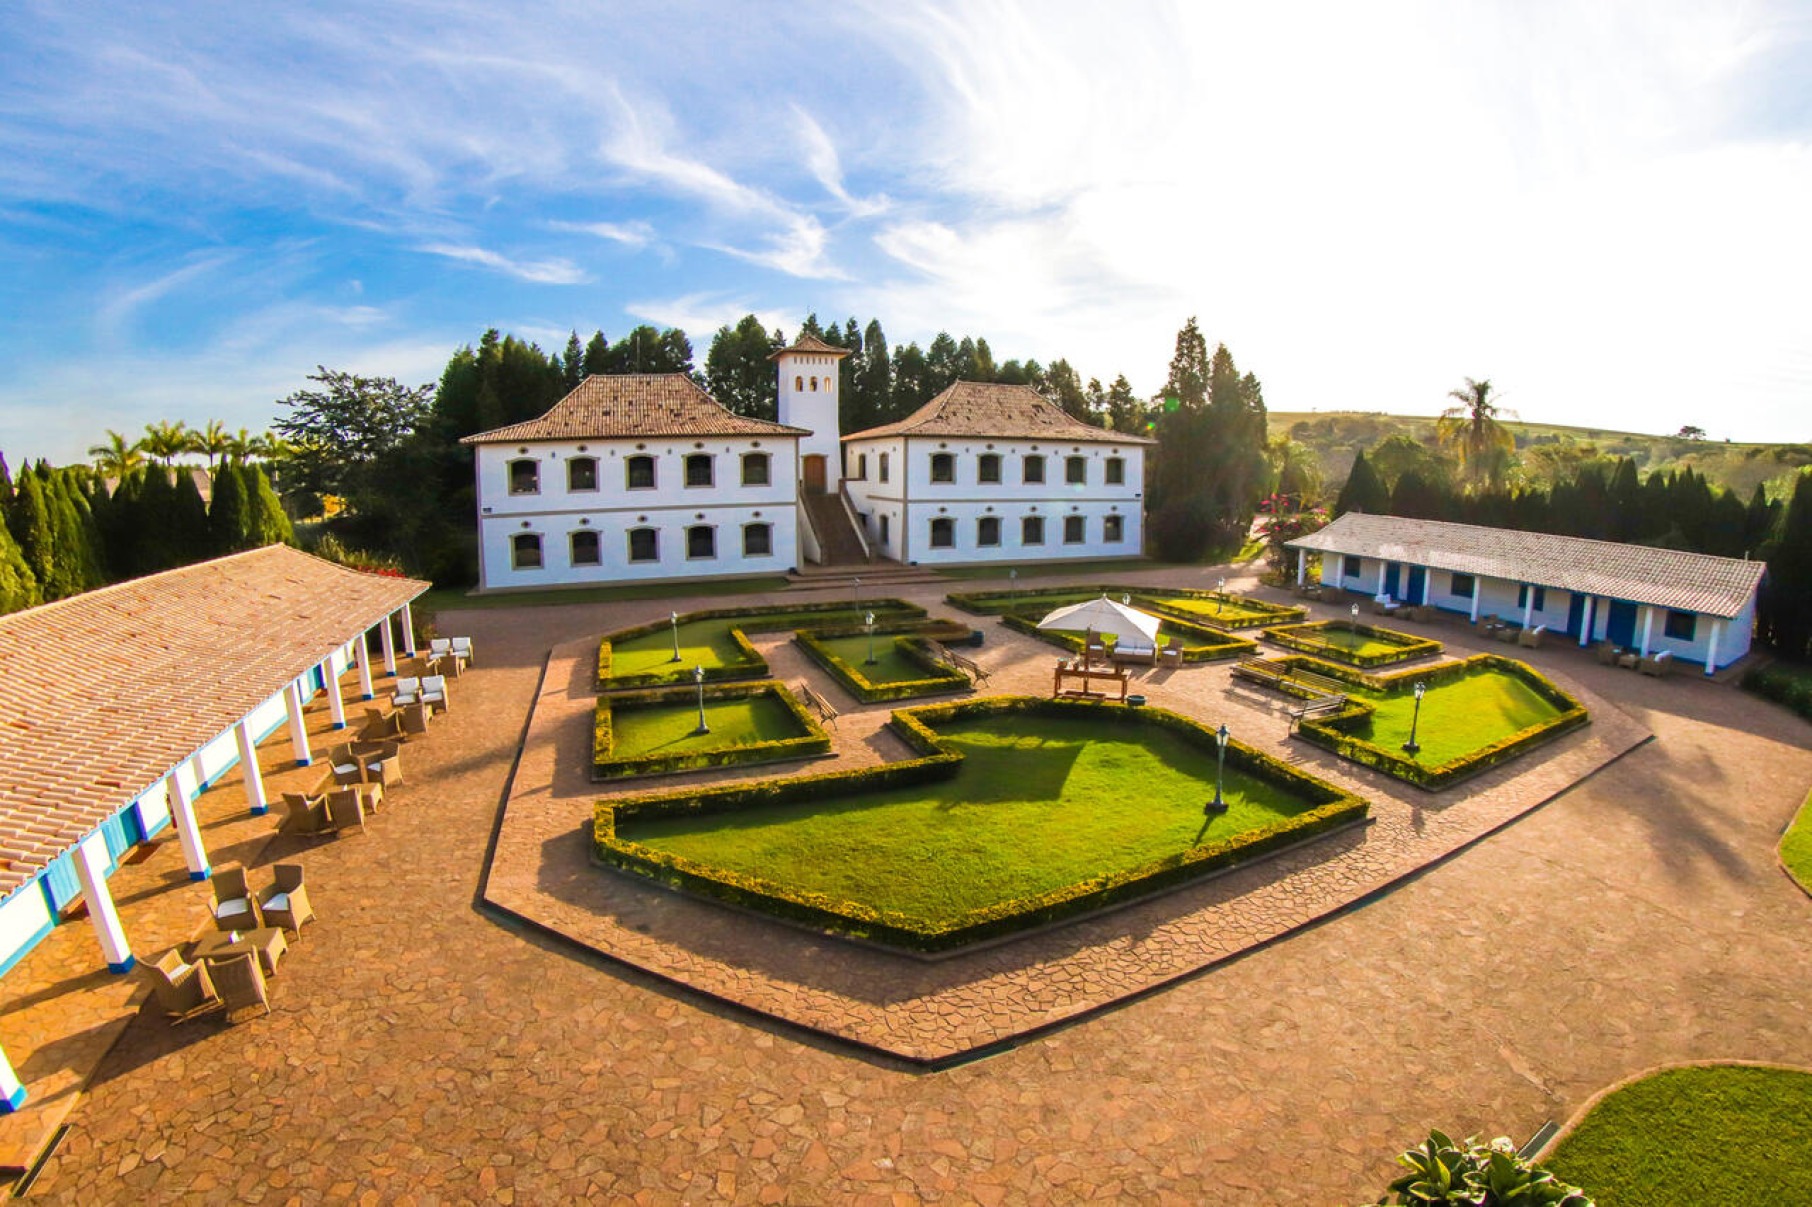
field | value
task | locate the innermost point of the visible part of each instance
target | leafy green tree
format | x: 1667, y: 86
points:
x: 118, y: 456
x: 647, y: 350
x: 1125, y: 411
x: 1472, y: 430
x: 1297, y: 471
x: 597, y: 354
x: 739, y: 369
x: 18, y: 585
x: 1399, y: 454
x: 914, y: 384
x: 944, y: 363
x: 1063, y: 387
x: 1364, y: 490
x: 341, y: 429
x: 1416, y: 499
x: 873, y: 395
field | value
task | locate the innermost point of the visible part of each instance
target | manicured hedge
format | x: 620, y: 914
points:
x: 1785, y: 684
x: 813, y: 741
x: 938, y: 677
x: 1334, y: 731
x: 767, y: 618
x: 1332, y: 808
x: 1202, y: 643
x: 993, y: 603
x: 1305, y: 637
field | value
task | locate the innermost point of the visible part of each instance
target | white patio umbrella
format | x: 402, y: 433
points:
x: 1106, y: 617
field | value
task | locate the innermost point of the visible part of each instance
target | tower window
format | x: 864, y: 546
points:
x: 943, y: 467
x: 638, y: 473
x: 1034, y: 470
x: 582, y: 473
x: 754, y: 469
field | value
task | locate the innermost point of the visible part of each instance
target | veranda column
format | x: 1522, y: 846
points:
x: 408, y: 631
x: 1711, y: 648
x: 336, y: 704
x: 188, y: 830
x: 1648, y: 627
x: 1585, y: 621
x: 90, y: 859
x: 1476, y: 592
x: 12, y: 1090
x: 298, y: 727
x: 1528, y: 604
x: 248, y: 762
x: 389, y: 641
x: 1382, y: 567
x: 361, y: 650
x: 1426, y: 575
x: 1302, y: 566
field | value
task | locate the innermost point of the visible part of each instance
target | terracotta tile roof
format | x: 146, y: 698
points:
x: 103, y: 694
x: 989, y: 409
x: 1662, y: 578
x: 634, y: 404
x: 813, y: 345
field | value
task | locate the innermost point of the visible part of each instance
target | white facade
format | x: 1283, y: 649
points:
x: 948, y: 500
x: 563, y: 513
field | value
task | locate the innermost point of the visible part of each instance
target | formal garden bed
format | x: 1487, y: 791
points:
x: 1477, y: 713
x: 643, y: 655
x: 655, y: 732
x: 1200, y: 643
x: 1733, y: 1135
x: 1796, y: 846
x: 905, y: 664
x: 1013, y: 813
x: 1354, y: 644
x: 1216, y: 609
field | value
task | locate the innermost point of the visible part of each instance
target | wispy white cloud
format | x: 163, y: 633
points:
x: 118, y: 307
x: 629, y: 234
x: 827, y: 166
x: 540, y: 272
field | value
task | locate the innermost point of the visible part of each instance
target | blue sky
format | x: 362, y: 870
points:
x: 1602, y: 208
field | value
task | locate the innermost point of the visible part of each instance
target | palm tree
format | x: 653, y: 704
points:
x: 1472, y: 432
x: 166, y: 441
x: 117, y: 457
x: 211, y: 441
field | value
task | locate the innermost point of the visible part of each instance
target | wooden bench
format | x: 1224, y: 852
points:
x: 1265, y: 672
x: 1316, y: 707
x: 968, y: 666
x: 817, y: 703
x: 1322, y: 684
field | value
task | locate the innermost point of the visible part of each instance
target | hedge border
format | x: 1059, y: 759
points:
x: 1332, y: 731
x: 939, y: 679
x: 1330, y: 808
x: 1221, y: 644
x: 749, y: 665
x: 1789, y: 687
x: 996, y: 603
x: 1298, y: 637
x: 813, y: 741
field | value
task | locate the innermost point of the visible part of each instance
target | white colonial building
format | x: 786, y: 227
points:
x: 635, y: 477
x: 647, y: 478
x: 987, y: 472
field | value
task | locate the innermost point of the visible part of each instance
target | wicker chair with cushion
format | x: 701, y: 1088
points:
x: 240, y: 983
x: 462, y: 649
x: 1531, y: 638
x: 184, y: 991
x: 408, y: 690
x: 346, y: 808
x: 1171, y: 655
x: 434, y: 692
x: 381, y: 724
x: 345, y: 764
x: 379, y: 763
x: 1657, y: 665
x: 415, y: 719
x: 234, y: 906
x: 304, y: 815
x: 1607, y: 653
x: 285, y: 902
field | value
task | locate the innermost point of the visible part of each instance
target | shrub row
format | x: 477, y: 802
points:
x: 604, y: 766
x: 1784, y: 684
x: 1201, y: 643
x: 748, y: 664
x: 1334, y: 731
x: 1331, y: 808
x: 938, y: 677
x: 994, y: 603
x: 1268, y: 613
x: 1306, y: 638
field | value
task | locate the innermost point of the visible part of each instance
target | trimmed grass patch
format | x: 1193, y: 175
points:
x: 642, y: 656
x: 1730, y: 1135
x: 1458, y: 716
x: 890, y: 665
x: 670, y: 728
x: 1355, y: 645
x: 1796, y: 846
x: 649, y: 733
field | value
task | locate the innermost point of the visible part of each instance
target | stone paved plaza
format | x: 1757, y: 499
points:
x: 425, y: 1047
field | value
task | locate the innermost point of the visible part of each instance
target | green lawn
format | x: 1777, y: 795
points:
x: 1217, y: 610
x: 1796, y: 846
x: 1726, y: 1135
x: 1345, y: 642
x: 1040, y: 803
x: 707, y: 642
x: 891, y: 666
x: 444, y: 599
x: 668, y: 728
x: 1458, y: 716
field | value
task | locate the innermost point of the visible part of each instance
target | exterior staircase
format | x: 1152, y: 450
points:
x: 837, y: 538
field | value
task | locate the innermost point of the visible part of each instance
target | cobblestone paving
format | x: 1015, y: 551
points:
x: 420, y: 1051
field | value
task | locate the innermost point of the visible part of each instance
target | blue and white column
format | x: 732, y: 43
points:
x: 188, y: 829
x: 91, y: 870
x: 336, y: 703
x: 298, y: 724
x: 389, y: 639
x: 12, y: 1090
x: 408, y: 631
x: 248, y: 762
x: 361, y: 652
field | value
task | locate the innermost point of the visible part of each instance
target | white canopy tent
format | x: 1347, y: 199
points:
x: 1124, y: 624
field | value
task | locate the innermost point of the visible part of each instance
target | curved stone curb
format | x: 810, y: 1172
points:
x: 1591, y: 1104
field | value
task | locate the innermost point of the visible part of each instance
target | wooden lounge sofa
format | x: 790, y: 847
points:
x: 1134, y: 651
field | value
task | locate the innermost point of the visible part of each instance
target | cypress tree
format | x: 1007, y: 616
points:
x: 270, y: 524
x: 77, y: 542
x: 230, y: 511
x: 34, y: 527
x: 1787, y: 594
x: 1759, y: 521
x: 1625, y: 502
x: 150, y: 531
x: 1364, y: 490
x: 18, y: 586
x: 6, y: 482
x: 190, y: 513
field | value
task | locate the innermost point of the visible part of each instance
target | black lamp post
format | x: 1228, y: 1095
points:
x: 1219, y: 805
x: 698, y: 677
x: 868, y: 622
x: 1012, y: 590
x: 1355, y: 626
x: 674, y: 617
x: 1415, y: 717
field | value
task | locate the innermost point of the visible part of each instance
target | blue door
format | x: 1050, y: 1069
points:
x: 1621, y: 627
x: 1575, y: 614
x: 1392, y: 575
x: 1418, y: 582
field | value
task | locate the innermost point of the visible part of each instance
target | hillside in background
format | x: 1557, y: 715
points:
x: 1335, y: 436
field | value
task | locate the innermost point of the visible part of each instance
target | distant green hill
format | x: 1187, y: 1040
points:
x: 1335, y: 436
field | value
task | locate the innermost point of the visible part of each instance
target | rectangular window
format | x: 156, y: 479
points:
x: 1355, y: 567
x: 886, y: 529
x: 943, y: 467
x: 1031, y: 530
x: 1541, y: 597
x: 701, y: 541
x: 754, y: 469
x: 525, y: 551
x: 1113, y: 529
x: 884, y: 460
x: 585, y: 548
x: 1115, y: 468
x: 639, y: 473
x: 1034, y: 470
x: 987, y: 530
x: 987, y: 468
x: 1681, y: 626
x: 525, y: 477
x: 757, y: 540
x: 698, y: 469
x: 1075, y: 529
x: 582, y: 473
x: 862, y: 466
x: 943, y: 533
x: 644, y: 545
x: 1075, y: 471
x: 1464, y: 586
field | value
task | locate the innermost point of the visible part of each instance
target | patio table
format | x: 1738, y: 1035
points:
x: 267, y: 941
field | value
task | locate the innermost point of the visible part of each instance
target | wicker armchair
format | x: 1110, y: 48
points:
x: 183, y: 991
x: 240, y: 983
x: 1658, y: 665
x: 305, y: 815
x: 379, y: 763
x: 1607, y: 653
x: 1531, y: 638
x: 346, y: 807
x: 234, y: 906
x: 381, y: 724
x: 285, y: 902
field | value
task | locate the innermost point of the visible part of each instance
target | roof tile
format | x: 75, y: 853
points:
x: 637, y: 404
x: 1003, y: 412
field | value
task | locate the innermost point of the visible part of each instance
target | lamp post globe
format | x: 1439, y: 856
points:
x: 1220, y: 590
x: 673, y: 618
x: 1415, y: 717
x: 1354, y: 613
x: 698, y: 677
x: 868, y: 622
x: 1219, y: 804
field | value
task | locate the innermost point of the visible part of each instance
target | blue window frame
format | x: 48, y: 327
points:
x: 1464, y: 586
x: 1541, y: 597
x: 1681, y: 626
x: 1354, y: 566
